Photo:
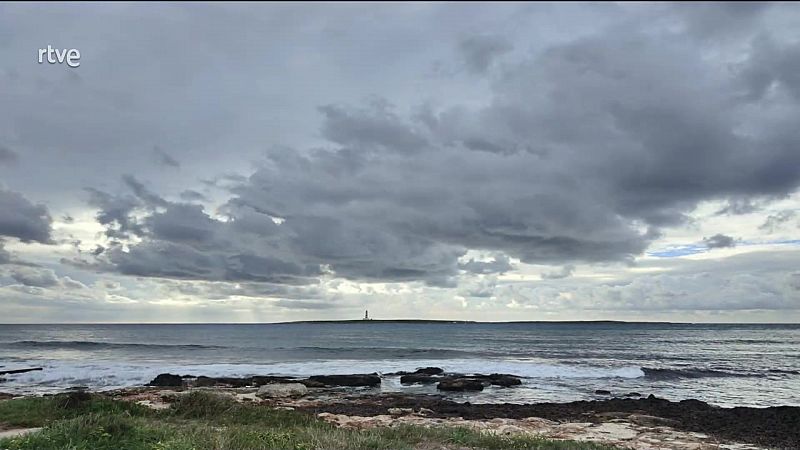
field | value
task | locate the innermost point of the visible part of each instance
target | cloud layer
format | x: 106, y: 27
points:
x: 505, y: 167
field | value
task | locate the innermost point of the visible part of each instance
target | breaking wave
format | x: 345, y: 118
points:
x: 86, y: 345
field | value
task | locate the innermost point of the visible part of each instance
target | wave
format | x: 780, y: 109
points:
x: 784, y: 371
x: 387, y: 352
x: 87, y: 345
x: 675, y: 374
x: 62, y: 374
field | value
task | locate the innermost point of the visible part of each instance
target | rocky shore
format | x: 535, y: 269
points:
x: 454, y: 382
x: 642, y: 423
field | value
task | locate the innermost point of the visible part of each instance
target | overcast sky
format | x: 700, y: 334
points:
x: 270, y: 162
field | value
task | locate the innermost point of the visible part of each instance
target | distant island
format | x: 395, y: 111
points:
x: 424, y: 321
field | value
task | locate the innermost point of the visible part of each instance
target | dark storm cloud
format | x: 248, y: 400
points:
x: 719, y: 241
x: 180, y: 240
x: 8, y: 157
x: 771, y: 65
x: 115, y: 213
x: 479, y: 52
x: 182, y: 223
x: 585, y: 150
x: 21, y: 219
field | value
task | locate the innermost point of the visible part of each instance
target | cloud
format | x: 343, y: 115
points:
x: 164, y: 158
x: 5, y: 255
x: 21, y: 219
x: 115, y: 212
x: 480, y: 51
x: 43, y: 278
x: 374, y: 126
x: 735, y: 206
x: 142, y: 192
x: 499, y: 264
x: 719, y: 241
x: 745, y: 282
x: 595, y: 140
x: 564, y: 272
x: 190, y: 195
x: 711, y: 20
x: 8, y: 157
x: 775, y: 221
x: 483, y: 287
x: 771, y: 66
x: 587, y: 151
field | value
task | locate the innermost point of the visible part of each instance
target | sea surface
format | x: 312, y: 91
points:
x: 726, y: 365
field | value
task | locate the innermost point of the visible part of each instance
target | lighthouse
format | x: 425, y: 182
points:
x: 366, y: 315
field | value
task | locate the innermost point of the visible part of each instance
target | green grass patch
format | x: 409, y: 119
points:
x: 207, y: 421
x: 39, y: 411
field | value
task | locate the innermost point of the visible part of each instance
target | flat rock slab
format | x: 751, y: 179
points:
x: 17, y: 432
x: 620, y: 434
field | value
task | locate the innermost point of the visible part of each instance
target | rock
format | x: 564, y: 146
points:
x: 202, y: 381
x: 401, y: 411
x: 10, y: 372
x: 429, y: 371
x: 262, y: 380
x: 371, y: 379
x: 633, y: 394
x: 247, y: 397
x: 504, y: 380
x: 602, y: 392
x: 497, y: 379
x: 18, y: 432
x: 233, y: 382
x: 167, y: 380
x: 695, y: 404
x: 168, y: 396
x: 6, y: 396
x: 311, y: 384
x: 425, y: 412
x: 651, y: 421
x: 153, y: 405
x: 460, y: 385
x: 282, y: 390
x: 413, y: 378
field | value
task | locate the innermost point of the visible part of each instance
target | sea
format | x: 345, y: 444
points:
x: 722, y: 364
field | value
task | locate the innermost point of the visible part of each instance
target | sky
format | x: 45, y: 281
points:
x: 223, y: 162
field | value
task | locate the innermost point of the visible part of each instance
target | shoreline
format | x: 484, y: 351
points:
x: 646, y: 423
x: 356, y: 401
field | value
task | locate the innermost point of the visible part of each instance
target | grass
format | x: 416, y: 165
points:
x: 206, y: 421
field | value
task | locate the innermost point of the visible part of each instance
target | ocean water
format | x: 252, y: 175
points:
x: 726, y: 365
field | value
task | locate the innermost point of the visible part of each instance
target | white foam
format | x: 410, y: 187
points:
x: 62, y: 374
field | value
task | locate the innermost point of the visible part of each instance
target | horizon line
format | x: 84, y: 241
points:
x: 442, y: 321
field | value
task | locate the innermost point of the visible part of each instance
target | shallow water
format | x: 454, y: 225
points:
x: 728, y: 365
